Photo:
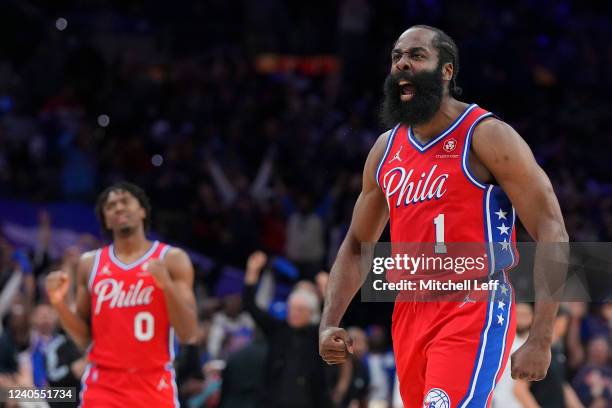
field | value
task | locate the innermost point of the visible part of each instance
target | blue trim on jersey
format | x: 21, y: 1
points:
x: 171, y: 349
x: 493, y: 336
x: 480, y: 353
x: 514, y: 248
x: 84, y: 383
x: 94, y: 269
x: 163, y: 252
x: 384, y: 157
x: 489, y: 242
x: 510, y: 306
x: 465, y: 162
x: 116, y: 261
x: 174, y: 387
x: 491, y: 349
x: 501, y: 221
x: 499, y: 224
x: 422, y: 147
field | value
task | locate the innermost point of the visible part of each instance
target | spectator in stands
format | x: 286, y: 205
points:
x: 242, y: 379
x: 381, y: 365
x: 231, y: 328
x: 293, y: 368
x: 584, y: 326
x: 593, y: 383
x: 16, y: 278
x: 305, y: 238
x: 64, y: 364
x: 15, y: 357
x: 44, y: 326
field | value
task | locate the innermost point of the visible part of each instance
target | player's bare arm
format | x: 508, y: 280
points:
x: 511, y: 163
x: 174, y: 275
x: 76, y: 323
x: 370, y: 216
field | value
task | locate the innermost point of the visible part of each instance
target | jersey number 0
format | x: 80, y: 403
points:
x: 144, y: 326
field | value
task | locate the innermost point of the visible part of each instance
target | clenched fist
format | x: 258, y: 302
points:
x: 530, y: 362
x: 57, y: 285
x: 159, y: 272
x: 334, y: 345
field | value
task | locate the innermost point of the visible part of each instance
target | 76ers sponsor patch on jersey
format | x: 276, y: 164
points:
x: 450, y: 145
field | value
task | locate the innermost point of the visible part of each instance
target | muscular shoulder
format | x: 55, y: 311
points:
x: 176, y: 255
x: 86, y: 262
x: 495, y: 134
x: 381, y: 143
x: 501, y: 148
x: 178, y: 262
x: 88, y: 258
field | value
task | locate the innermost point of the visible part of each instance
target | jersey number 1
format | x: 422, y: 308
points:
x: 440, y: 247
x: 144, y: 326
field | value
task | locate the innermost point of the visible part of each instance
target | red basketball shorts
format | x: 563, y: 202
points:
x: 451, y: 354
x: 110, y: 388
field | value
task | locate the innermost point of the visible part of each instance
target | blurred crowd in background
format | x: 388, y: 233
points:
x: 224, y: 113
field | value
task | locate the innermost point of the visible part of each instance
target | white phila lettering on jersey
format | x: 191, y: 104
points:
x: 397, y: 181
x: 109, y: 290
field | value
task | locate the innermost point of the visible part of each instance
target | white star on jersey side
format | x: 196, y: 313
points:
x: 503, y: 229
x: 501, y: 214
x: 505, y: 244
x: 501, y: 304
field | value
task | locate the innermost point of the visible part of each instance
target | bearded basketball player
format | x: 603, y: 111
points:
x: 483, y: 172
x: 132, y: 296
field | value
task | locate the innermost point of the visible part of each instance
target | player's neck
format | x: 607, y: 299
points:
x: 130, y: 245
x: 450, y: 110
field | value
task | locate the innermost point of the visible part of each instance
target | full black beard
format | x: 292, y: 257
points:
x: 427, y: 98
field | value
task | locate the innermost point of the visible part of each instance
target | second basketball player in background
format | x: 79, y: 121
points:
x: 132, y: 296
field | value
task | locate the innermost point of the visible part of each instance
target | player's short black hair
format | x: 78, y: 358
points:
x: 131, y: 188
x: 447, y: 52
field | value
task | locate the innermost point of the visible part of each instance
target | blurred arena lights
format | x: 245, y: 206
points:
x: 157, y: 160
x: 103, y: 120
x: 61, y: 23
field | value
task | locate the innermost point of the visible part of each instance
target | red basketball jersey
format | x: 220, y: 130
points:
x: 434, y: 198
x: 129, y: 321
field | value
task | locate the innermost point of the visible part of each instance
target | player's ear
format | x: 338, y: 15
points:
x: 447, y: 71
